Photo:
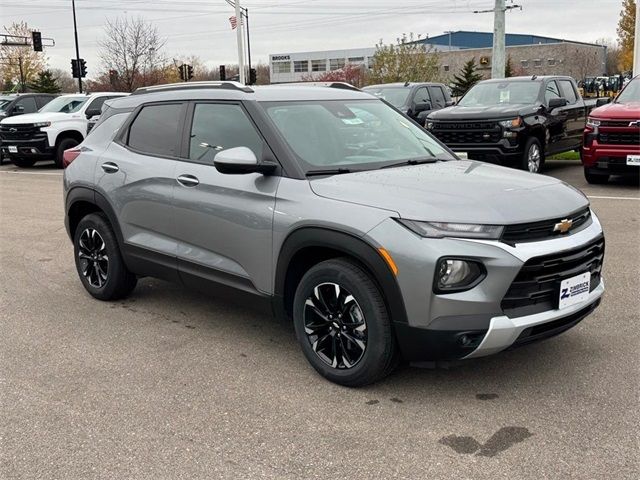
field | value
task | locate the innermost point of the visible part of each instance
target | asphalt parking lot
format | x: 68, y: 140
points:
x: 173, y: 384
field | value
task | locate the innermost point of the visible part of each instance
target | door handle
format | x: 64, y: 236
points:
x: 110, y: 167
x: 188, y: 180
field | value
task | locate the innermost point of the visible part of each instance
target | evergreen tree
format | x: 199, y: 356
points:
x: 508, y: 68
x: 45, y: 83
x: 466, y: 79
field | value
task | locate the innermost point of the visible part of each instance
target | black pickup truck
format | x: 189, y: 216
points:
x: 515, y: 121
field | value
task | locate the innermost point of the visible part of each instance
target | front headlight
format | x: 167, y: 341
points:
x: 593, y: 122
x: 457, y: 274
x: 456, y: 230
x: 42, y: 124
x: 513, y: 123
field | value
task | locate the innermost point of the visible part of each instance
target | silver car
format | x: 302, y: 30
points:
x: 332, y: 209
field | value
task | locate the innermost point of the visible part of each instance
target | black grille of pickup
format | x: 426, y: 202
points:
x: 18, y: 131
x: 619, y: 138
x: 467, y: 132
x: 537, y: 286
x: 542, y: 230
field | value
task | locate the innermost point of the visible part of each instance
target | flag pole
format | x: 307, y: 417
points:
x: 240, y: 46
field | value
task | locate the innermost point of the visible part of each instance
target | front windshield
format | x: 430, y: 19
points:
x: 498, y: 93
x: 631, y: 92
x: 3, y: 103
x: 64, y: 104
x: 396, y: 96
x: 357, y: 135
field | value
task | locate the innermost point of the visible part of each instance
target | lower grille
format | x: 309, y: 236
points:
x: 537, y: 285
x: 527, y: 232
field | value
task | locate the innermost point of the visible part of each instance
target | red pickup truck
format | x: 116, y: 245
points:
x: 611, y: 140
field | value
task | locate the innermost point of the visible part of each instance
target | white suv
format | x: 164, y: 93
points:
x: 59, y: 125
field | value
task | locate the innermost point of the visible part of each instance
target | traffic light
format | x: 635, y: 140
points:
x: 75, y: 71
x: 181, y: 72
x: 113, y: 77
x: 83, y: 68
x: 252, y: 76
x: 189, y: 72
x: 36, y: 41
x: 223, y: 72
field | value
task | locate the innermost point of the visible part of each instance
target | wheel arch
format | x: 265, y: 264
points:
x: 308, y: 246
x: 75, y: 134
x: 82, y: 201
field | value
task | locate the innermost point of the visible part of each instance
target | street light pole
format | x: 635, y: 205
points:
x: 239, y: 30
x: 75, y: 34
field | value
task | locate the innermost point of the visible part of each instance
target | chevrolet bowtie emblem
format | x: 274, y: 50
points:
x: 563, y: 226
x: 635, y: 124
x: 13, y: 130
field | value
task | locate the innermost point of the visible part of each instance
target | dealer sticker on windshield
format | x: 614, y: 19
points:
x: 633, y: 160
x: 574, y: 290
x: 13, y: 149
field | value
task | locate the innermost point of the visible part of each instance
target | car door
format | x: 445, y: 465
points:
x: 136, y: 174
x: 556, y: 119
x: 575, y: 114
x: 223, y: 223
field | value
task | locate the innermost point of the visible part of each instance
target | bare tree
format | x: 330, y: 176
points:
x: 133, y: 48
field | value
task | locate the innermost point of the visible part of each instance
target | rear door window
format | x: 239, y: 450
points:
x: 437, y: 97
x: 568, y: 90
x: 219, y: 126
x: 156, y: 129
x: 42, y: 100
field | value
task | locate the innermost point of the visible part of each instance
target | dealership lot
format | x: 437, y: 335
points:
x: 172, y: 384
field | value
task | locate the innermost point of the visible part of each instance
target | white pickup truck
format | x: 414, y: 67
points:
x: 59, y: 125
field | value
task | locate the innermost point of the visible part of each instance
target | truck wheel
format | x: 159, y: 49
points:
x: 342, y: 324
x: 595, y: 178
x: 99, y: 261
x: 533, y: 156
x: 64, y: 144
x: 23, y: 162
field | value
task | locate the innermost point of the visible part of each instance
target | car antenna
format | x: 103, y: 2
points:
x: 534, y: 77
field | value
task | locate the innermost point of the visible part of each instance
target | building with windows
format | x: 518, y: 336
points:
x: 528, y: 54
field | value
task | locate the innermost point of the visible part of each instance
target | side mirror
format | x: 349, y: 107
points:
x: 421, y: 107
x: 18, y: 110
x: 92, y: 112
x: 602, y: 101
x: 241, y: 160
x: 557, y: 102
x: 449, y: 103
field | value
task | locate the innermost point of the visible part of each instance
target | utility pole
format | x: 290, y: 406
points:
x: 239, y: 31
x: 636, y: 43
x: 498, y: 57
x: 246, y: 15
x: 75, y: 34
x: 22, y: 89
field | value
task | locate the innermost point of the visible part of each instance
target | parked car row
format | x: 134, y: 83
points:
x: 29, y: 134
x: 330, y: 208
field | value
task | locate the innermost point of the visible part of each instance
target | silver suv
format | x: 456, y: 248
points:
x: 333, y: 209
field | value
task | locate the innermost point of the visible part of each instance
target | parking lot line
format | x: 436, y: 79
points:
x: 612, y: 198
x: 57, y: 174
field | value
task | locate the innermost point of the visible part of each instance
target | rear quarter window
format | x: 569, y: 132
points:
x: 105, y: 131
x: 156, y: 128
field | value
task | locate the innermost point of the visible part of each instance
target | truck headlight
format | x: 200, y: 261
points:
x: 456, y: 230
x: 593, y: 122
x: 457, y: 274
x: 513, y: 123
x: 42, y: 124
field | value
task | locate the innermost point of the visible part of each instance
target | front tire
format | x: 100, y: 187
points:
x: 342, y: 324
x: 99, y: 261
x: 533, y: 156
x: 23, y: 162
x: 64, y: 144
x: 595, y: 178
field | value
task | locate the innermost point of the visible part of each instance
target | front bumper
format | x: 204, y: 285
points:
x: 473, y: 323
x: 37, y: 147
x: 611, y: 159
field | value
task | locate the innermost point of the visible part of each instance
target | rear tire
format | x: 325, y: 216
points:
x: 99, y: 261
x: 533, y: 156
x: 342, y: 324
x: 23, y: 162
x: 595, y: 178
x: 64, y: 144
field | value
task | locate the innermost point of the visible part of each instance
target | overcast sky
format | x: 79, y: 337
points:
x: 201, y: 27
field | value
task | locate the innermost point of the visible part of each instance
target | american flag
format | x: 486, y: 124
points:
x: 234, y: 22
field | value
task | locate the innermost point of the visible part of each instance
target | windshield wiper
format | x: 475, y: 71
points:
x: 416, y: 161
x: 327, y: 171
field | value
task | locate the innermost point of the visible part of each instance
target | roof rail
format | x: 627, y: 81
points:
x: 340, y: 85
x: 193, y: 85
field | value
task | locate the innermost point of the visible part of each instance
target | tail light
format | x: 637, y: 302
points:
x: 69, y: 156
